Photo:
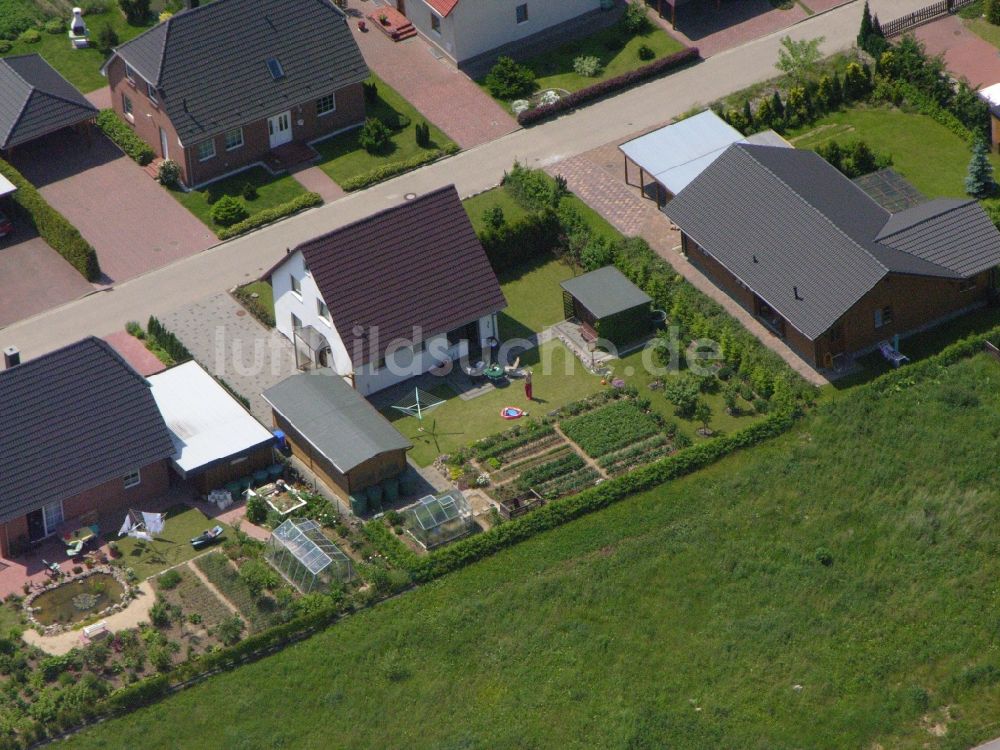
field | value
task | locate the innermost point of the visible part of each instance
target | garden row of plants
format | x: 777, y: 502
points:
x: 613, y: 427
x: 52, y: 226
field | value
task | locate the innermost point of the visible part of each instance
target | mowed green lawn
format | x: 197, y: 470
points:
x: 835, y: 588
x: 81, y: 67
x: 557, y: 379
x: 169, y: 548
x: 927, y: 154
x: 342, y: 156
x: 271, y: 191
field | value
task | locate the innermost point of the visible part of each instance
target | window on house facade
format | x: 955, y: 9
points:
x: 322, y: 310
x: 151, y: 93
x: 132, y: 479
x: 129, y: 73
x: 378, y: 364
x: 326, y: 104
x: 419, y: 347
x: 296, y: 322
x: 967, y: 285
x: 127, y: 107
x: 234, y: 138
x: 296, y: 284
x: 435, y: 23
x: 206, y: 150
x: 521, y: 13
x: 883, y: 316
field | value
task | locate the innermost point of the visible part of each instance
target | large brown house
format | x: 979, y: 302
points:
x: 820, y: 262
x: 82, y: 436
x: 217, y: 88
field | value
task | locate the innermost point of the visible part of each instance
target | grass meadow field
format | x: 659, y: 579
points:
x: 834, y: 588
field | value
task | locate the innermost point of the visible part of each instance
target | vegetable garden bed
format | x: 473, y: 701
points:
x: 610, y: 428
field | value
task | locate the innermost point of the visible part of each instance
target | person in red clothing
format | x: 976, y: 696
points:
x: 527, y: 386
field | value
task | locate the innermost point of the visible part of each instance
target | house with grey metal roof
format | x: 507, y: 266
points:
x: 390, y: 296
x: 334, y: 431
x: 234, y: 83
x: 823, y: 264
x: 82, y: 436
x: 35, y: 101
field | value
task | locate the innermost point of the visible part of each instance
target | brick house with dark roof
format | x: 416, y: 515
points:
x: 82, y: 435
x: 820, y: 262
x: 390, y: 296
x: 218, y: 88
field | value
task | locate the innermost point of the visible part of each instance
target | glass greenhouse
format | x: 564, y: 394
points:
x: 302, y: 553
x: 438, y: 520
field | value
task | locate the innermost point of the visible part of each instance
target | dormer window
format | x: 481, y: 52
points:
x: 151, y: 93
x: 277, y: 72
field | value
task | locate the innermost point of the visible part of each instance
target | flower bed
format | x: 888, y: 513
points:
x: 611, y: 428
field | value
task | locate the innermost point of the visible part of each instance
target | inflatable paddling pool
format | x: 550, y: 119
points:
x: 512, y: 412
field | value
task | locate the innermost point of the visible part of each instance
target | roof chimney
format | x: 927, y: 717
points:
x: 11, y: 357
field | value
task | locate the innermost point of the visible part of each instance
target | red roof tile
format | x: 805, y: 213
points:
x: 444, y: 7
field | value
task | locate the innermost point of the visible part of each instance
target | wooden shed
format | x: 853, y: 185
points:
x: 334, y: 431
x: 608, y: 306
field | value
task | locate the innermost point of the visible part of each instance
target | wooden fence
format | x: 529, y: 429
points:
x: 928, y: 13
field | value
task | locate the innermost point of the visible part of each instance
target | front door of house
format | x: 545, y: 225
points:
x: 164, y: 151
x: 401, y: 6
x: 279, y: 129
x: 36, y: 525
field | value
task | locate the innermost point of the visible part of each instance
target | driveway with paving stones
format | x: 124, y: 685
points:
x: 442, y: 93
x: 232, y: 345
x: 132, y: 222
x: 34, y: 277
x: 965, y: 53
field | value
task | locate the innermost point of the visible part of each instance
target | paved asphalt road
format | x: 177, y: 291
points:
x: 473, y: 171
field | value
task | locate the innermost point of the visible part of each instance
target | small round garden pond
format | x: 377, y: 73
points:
x: 77, y: 599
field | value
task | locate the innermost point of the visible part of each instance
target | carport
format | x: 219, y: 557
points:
x: 36, y: 101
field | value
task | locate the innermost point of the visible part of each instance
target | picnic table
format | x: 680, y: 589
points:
x: 81, y: 535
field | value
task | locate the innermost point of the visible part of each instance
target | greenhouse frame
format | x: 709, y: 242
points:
x: 439, y: 519
x: 305, y: 556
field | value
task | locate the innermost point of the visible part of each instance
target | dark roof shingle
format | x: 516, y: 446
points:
x: 418, y: 264
x: 35, y: 101
x: 72, y: 420
x: 774, y: 240
x: 210, y: 62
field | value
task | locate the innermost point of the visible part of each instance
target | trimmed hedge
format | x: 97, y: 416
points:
x: 608, y: 86
x: 53, y: 227
x: 302, y: 202
x: 391, y: 170
x: 124, y: 137
x: 515, y: 243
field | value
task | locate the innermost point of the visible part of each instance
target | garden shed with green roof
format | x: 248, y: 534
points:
x: 608, y: 306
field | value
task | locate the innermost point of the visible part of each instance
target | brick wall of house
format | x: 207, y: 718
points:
x: 306, y: 126
x: 147, y: 119
x: 916, y: 301
x: 717, y: 273
x: 105, y: 498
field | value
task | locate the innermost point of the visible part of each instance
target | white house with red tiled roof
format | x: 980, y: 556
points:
x: 467, y: 29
